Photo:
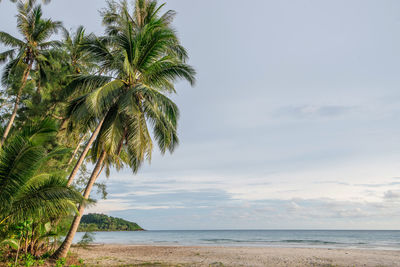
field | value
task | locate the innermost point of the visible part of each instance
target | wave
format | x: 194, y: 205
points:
x: 293, y: 241
x: 228, y: 240
x: 310, y: 241
x: 224, y: 240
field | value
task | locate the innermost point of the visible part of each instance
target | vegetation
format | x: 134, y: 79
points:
x: 26, y: 54
x: 82, y: 99
x: 33, y: 199
x: 100, y: 222
x: 87, y: 238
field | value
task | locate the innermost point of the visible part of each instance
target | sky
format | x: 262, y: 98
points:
x: 293, y: 122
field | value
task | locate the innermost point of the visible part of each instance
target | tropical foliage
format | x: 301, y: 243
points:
x: 24, y: 55
x: 75, y: 104
x: 33, y: 195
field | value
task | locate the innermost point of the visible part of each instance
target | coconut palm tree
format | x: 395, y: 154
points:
x: 140, y: 64
x: 151, y: 56
x: 24, y: 54
x: 78, y: 61
x: 25, y: 191
x: 78, y: 58
x: 31, y: 198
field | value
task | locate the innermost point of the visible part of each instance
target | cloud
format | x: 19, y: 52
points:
x: 273, y: 214
x: 378, y: 185
x: 315, y: 111
x: 332, y: 182
x: 372, y: 185
x: 189, y: 209
x: 392, y: 195
x: 109, y: 205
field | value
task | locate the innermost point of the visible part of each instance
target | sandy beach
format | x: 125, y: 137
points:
x: 140, y: 255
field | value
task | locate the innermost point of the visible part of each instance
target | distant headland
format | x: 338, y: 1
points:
x: 94, y: 222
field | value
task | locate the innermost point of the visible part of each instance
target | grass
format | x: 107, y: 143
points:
x: 216, y: 264
x: 28, y: 260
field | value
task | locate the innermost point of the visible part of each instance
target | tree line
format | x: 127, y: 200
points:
x: 80, y: 99
x: 100, y: 222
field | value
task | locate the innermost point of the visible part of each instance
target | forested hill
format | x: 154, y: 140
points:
x: 101, y: 222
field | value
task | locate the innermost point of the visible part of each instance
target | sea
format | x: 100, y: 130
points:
x: 358, y: 239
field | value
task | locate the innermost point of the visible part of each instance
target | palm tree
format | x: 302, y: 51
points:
x: 124, y: 138
x: 26, y: 53
x: 25, y: 191
x: 79, y: 61
x: 142, y: 64
x: 27, y: 194
x: 150, y: 55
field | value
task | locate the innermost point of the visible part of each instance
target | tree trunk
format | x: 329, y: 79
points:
x: 63, y: 249
x: 19, y: 246
x: 17, y: 100
x: 76, y: 150
x: 101, y: 170
x: 84, y: 153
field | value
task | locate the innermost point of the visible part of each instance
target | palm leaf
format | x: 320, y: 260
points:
x: 9, y: 54
x: 9, y: 40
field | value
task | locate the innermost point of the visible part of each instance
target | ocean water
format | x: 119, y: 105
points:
x: 363, y: 239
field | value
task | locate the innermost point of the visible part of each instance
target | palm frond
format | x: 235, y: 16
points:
x: 104, y: 97
x: 9, y: 40
x: 166, y: 70
x: 85, y: 83
x: 9, y: 54
x: 18, y: 162
x: 40, y: 132
x: 50, y: 195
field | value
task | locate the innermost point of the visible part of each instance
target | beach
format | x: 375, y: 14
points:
x: 149, y: 255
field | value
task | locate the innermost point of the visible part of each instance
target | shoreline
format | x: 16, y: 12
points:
x: 166, y: 244
x: 160, y: 255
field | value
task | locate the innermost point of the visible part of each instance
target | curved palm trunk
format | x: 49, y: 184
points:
x: 63, y: 249
x: 17, y: 100
x: 101, y: 170
x: 84, y: 153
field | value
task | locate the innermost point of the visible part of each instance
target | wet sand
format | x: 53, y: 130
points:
x: 140, y: 255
